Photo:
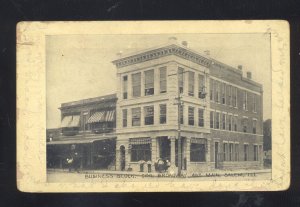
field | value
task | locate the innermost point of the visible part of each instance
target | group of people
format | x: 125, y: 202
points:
x: 73, y: 160
x: 162, y: 165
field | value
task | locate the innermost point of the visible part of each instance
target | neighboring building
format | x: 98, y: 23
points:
x: 89, y: 126
x: 221, y: 114
x: 221, y: 122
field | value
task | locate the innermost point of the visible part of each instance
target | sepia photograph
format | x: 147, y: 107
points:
x: 158, y: 106
x: 172, y: 107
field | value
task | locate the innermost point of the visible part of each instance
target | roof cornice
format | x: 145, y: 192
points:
x: 161, y: 52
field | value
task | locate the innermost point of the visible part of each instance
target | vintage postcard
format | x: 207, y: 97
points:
x: 153, y: 106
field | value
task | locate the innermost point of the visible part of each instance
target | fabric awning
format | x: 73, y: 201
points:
x: 110, y: 116
x: 77, y: 141
x: 97, y: 117
x: 66, y: 121
x: 75, y: 121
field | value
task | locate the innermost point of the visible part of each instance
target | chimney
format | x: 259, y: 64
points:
x: 240, y: 67
x: 207, y: 52
x: 119, y: 54
x: 184, y: 43
x: 172, y: 40
x: 249, y: 75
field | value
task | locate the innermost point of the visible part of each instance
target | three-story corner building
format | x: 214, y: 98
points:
x: 220, y: 115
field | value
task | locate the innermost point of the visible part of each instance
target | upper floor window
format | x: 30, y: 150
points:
x: 201, y: 85
x: 217, y: 91
x: 191, y: 116
x: 136, y: 116
x: 223, y: 88
x: 229, y: 122
x: 200, y: 117
x: 245, y: 100
x: 245, y: 124
x: 234, y: 96
x: 217, y: 120
x: 181, y: 114
x: 149, y: 82
x: 191, y: 83
x: 254, y: 102
x: 181, y: 79
x: 230, y: 151
x: 246, y: 149
x: 125, y: 86
x: 223, y: 121
x: 149, y: 115
x: 124, y: 111
x: 136, y: 85
x: 254, y: 126
x: 163, y: 80
x: 255, y: 153
x: 236, y: 148
x: 211, y: 89
x: 235, y: 122
x: 163, y: 113
x: 211, y: 118
x: 229, y: 95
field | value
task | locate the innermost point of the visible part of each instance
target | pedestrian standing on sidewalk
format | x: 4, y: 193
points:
x: 149, y: 163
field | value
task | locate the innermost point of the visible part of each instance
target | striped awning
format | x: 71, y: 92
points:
x: 98, y: 116
x: 66, y: 121
x: 110, y: 116
x: 75, y: 121
x: 146, y: 140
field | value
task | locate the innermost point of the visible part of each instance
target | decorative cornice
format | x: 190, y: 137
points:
x: 161, y: 52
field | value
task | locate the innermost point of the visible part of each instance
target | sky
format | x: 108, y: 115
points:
x: 80, y: 66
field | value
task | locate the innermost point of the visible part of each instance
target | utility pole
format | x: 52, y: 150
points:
x: 179, y: 104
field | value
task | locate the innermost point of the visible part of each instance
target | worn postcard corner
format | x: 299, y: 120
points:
x: 153, y: 106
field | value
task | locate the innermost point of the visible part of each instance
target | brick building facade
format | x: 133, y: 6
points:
x: 221, y: 114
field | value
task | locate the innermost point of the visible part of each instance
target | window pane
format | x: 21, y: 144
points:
x: 211, y: 119
x: 163, y: 79
x: 125, y: 86
x: 201, y: 117
x: 149, y: 82
x: 136, y: 85
x: 163, y: 114
x: 181, y: 79
x: 217, y: 120
x: 197, y: 153
x: 136, y: 116
x: 124, y: 117
x: 149, y: 115
x: 191, y: 115
x: 140, y: 152
x: 191, y: 83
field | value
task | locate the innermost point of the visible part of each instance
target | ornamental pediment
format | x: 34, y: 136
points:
x: 161, y: 52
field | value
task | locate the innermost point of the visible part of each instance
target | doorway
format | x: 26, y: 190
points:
x: 164, y: 148
x: 122, y: 158
x: 216, y: 154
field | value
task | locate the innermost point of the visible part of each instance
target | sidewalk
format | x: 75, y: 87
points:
x: 213, y: 173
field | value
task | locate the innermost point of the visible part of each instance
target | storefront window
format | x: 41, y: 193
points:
x: 197, y: 153
x: 140, y: 152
